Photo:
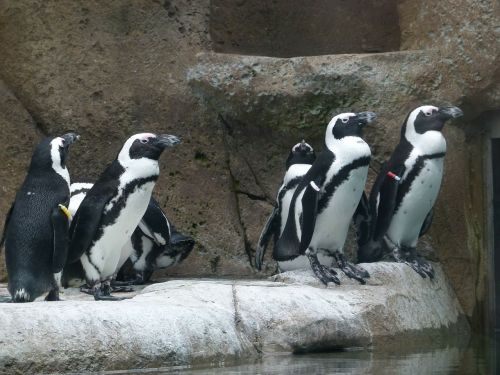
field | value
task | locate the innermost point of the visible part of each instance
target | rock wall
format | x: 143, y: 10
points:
x: 110, y: 69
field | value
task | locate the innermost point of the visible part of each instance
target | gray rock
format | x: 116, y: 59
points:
x: 201, y: 321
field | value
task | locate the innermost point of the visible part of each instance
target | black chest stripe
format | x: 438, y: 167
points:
x: 109, y: 218
x: 339, y: 178
x: 405, y: 186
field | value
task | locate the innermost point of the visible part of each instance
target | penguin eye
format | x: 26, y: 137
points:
x: 145, y: 140
x: 428, y: 113
x: 344, y: 120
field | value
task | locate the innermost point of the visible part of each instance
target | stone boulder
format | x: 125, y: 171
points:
x: 183, y: 322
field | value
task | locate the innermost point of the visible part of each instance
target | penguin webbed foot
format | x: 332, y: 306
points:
x: 323, y: 273
x: 103, y: 293
x: 351, y: 270
x: 53, y: 295
x: 419, y: 265
x: 122, y: 286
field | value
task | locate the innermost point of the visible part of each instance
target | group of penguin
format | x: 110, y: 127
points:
x: 61, y: 234
x: 321, y: 195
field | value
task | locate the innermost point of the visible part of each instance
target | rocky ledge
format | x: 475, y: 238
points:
x: 204, y: 321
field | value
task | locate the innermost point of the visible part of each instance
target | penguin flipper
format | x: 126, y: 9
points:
x: 265, y: 236
x: 385, y: 196
x: 84, y: 225
x: 6, y: 224
x: 362, y: 221
x: 309, y: 213
x: 60, y: 227
x: 426, y: 225
x: 155, y: 225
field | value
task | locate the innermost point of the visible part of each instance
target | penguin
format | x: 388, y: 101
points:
x: 36, y: 228
x: 400, y: 206
x: 297, y: 164
x: 112, y: 209
x: 154, y: 244
x: 326, y: 198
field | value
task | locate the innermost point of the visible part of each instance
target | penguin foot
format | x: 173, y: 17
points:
x: 426, y: 267
x: 120, y: 286
x: 121, y: 289
x: 417, y: 268
x: 86, y: 289
x: 324, y: 274
x: 103, y: 293
x: 116, y: 283
x: 5, y: 299
x: 351, y: 270
x: 53, y: 295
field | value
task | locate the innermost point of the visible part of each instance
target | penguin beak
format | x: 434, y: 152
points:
x: 167, y: 140
x: 70, y: 138
x: 366, y: 118
x: 450, y: 112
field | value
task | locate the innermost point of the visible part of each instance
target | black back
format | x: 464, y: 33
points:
x: 29, y: 238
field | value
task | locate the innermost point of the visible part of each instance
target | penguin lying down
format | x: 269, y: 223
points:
x: 154, y: 244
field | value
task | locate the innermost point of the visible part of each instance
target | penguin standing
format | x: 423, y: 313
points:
x: 324, y: 202
x: 36, y: 227
x: 401, y: 201
x: 113, y: 207
x: 154, y: 244
x: 298, y: 163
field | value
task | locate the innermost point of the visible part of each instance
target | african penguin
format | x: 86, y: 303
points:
x: 324, y: 202
x: 403, y: 195
x: 36, y: 227
x: 297, y: 164
x: 113, y: 207
x: 154, y: 244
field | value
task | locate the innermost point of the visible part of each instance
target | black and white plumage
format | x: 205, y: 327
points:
x: 299, y: 161
x: 323, y: 204
x: 36, y: 228
x: 401, y: 201
x: 113, y: 207
x: 154, y: 244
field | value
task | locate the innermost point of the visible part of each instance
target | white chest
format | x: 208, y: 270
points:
x: 107, y: 249
x: 416, y: 204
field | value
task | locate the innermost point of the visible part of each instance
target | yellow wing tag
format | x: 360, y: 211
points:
x: 65, y: 211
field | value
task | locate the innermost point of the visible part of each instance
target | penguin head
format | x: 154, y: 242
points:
x: 301, y: 153
x: 52, y: 152
x: 347, y: 125
x: 145, y: 146
x: 428, y: 118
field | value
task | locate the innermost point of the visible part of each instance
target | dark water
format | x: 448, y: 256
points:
x: 475, y: 357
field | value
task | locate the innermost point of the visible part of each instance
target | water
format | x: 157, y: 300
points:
x: 476, y: 357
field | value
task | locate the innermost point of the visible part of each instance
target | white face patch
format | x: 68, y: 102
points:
x: 55, y: 156
x: 124, y: 155
x: 331, y: 142
x: 431, y: 141
x: 297, y: 146
x: 410, y: 124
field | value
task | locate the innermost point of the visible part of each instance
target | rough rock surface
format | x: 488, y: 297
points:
x: 109, y: 69
x: 202, y: 321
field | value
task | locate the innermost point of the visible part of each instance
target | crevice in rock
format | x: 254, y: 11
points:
x: 39, y: 125
x: 253, y: 197
x: 239, y: 325
x: 226, y: 132
x: 257, y: 181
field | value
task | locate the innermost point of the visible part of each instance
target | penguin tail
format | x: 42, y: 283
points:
x: 21, y: 295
